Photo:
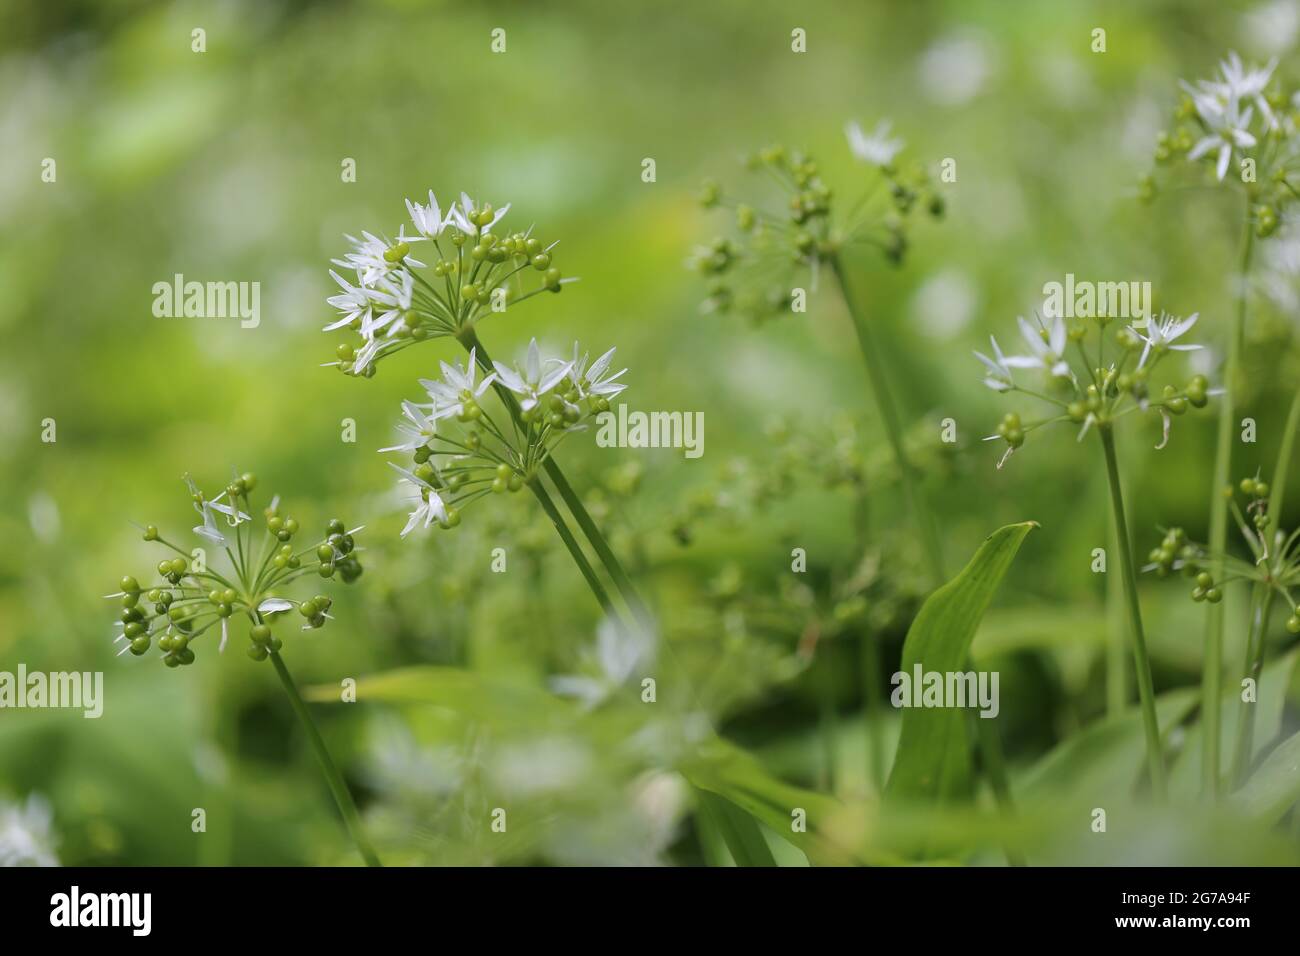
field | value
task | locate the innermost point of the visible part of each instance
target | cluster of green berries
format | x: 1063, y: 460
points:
x: 1257, y: 492
x: 191, y: 598
x: 1011, y: 430
x: 1175, y: 551
x: 800, y: 235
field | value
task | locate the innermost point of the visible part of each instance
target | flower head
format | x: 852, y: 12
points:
x: 474, y: 272
x: 877, y: 149
x: 464, y: 447
x: 190, y: 597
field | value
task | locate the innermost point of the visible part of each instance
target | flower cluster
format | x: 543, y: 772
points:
x: 754, y: 274
x: 462, y: 452
x: 391, y: 305
x: 1242, y: 120
x: 190, y: 597
x: 1097, y: 393
x: 1276, y: 566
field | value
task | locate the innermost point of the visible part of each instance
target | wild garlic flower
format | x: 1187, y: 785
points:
x: 475, y: 271
x: 1094, y: 393
x: 1239, y: 122
x: 191, y: 597
x: 1276, y: 553
x: 461, y: 451
x: 756, y: 272
x: 618, y: 652
x: 27, y: 833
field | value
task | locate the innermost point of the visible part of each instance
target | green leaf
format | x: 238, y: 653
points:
x: 1104, y: 760
x: 739, y: 830
x: 1274, y: 786
x: 933, y: 760
x: 833, y: 833
x: 1185, y: 779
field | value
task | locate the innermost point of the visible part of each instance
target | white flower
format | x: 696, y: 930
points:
x: 999, y: 367
x: 1163, y: 332
x: 460, y: 215
x: 397, y: 299
x: 430, y: 508
x: 26, y: 837
x: 366, y: 355
x: 204, y: 507
x: 593, y: 381
x: 618, y: 653
x: 1239, y: 83
x: 457, y: 387
x: 1227, y: 127
x: 352, y: 303
x: 1046, y: 355
x: 366, y: 258
x: 529, y: 381
x: 877, y: 149
x: 428, y: 220
x: 417, y: 431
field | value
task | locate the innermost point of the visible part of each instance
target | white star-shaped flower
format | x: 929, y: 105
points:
x: 531, y: 382
x: 877, y: 149
x: 1163, y: 332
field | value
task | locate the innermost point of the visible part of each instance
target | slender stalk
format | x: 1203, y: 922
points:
x: 579, y: 558
x: 1261, y: 606
x: 1146, y: 689
x: 613, y: 567
x: 1212, y: 672
x: 332, y: 776
x: 921, y: 513
x: 1116, y: 671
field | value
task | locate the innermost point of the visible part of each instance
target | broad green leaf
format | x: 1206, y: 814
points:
x: 933, y: 760
x: 834, y: 830
x: 1270, y: 704
x: 738, y: 829
x: 1104, y: 760
x: 1274, y: 786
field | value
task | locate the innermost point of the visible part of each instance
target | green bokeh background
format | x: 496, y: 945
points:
x: 226, y: 165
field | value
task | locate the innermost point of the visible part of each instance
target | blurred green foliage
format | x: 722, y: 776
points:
x: 225, y: 165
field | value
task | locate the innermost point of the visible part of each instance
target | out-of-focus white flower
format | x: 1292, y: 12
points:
x: 26, y: 833
x: 1227, y: 126
x: 619, y: 651
x: 877, y: 149
x: 1047, y: 355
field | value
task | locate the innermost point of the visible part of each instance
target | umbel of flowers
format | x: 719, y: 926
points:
x: 191, y: 597
x: 404, y: 292
x: 461, y: 451
x: 1093, y: 393
x: 754, y: 271
x: 1239, y: 125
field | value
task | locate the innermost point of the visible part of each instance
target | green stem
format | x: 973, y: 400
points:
x: 1212, y: 672
x: 332, y: 776
x: 1261, y: 606
x: 579, y: 558
x: 469, y: 340
x: 873, y: 709
x: 593, y: 534
x: 908, y: 474
x: 1146, y: 689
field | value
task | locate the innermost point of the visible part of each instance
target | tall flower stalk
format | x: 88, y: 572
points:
x: 1096, y: 396
x: 1240, y: 126
x: 192, y: 598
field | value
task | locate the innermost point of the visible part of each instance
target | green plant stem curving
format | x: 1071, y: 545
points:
x: 339, y: 789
